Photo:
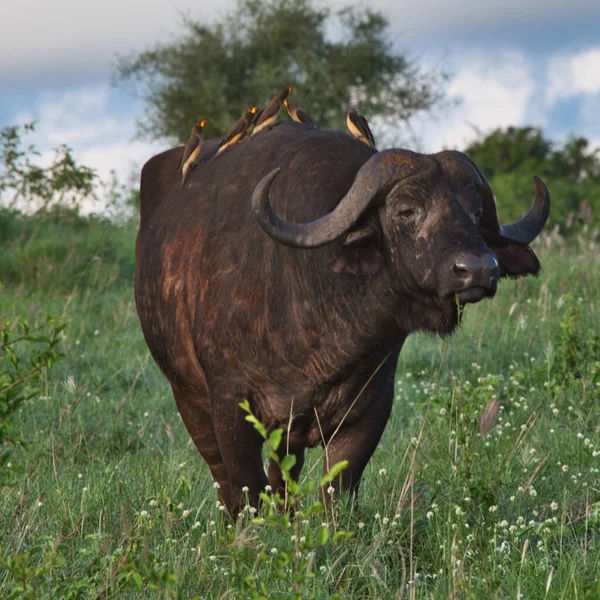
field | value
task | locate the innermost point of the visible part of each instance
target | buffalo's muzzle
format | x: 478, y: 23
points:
x: 474, y: 277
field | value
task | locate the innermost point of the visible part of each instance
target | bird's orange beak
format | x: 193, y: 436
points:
x: 285, y: 102
x: 254, y: 109
x: 203, y: 123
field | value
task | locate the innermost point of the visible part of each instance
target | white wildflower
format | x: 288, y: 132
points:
x: 70, y: 384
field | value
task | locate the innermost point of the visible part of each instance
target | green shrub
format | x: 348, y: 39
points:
x: 25, y: 354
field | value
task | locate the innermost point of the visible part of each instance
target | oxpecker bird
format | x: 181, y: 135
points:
x: 359, y: 128
x: 239, y: 130
x: 192, y: 149
x: 297, y: 114
x: 268, y: 116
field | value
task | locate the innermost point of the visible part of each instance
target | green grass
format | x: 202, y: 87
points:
x: 115, y: 501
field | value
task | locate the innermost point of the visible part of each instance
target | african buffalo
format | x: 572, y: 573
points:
x: 302, y: 308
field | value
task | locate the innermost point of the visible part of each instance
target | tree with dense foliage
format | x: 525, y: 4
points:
x: 525, y: 149
x: 215, y: 71
x: 509, y: 157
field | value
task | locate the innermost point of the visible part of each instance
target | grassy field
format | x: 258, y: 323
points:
x: 115, y: 501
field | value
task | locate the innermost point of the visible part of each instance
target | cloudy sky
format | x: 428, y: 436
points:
x: 514, y: 62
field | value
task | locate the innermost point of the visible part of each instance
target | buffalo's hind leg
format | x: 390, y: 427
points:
x: 241, y: 449
x: 356, y: 441
x: 194, y: 408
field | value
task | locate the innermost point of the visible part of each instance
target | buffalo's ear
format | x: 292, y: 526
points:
x: 360, y: 254
x: 516, y: 259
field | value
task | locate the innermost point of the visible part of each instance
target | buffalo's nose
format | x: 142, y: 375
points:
x: 480, y: 271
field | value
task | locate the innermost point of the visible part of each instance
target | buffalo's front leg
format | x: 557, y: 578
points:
x: 357, y: 439
x: 240, y: 446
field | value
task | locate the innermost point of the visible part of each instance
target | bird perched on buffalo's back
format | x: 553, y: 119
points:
x: 359, y: 128
x: 192, y: 149
x: 298, y: 115
x: 269, y: 113
x: 239, y: 130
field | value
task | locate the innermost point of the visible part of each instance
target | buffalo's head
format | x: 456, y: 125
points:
x: 431, y: 219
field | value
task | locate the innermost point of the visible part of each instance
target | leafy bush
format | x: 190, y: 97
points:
x: 25, y: 353
x: 32, y: 187
x: 578, y: 349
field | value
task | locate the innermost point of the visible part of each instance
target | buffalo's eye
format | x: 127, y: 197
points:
x: 406, y: 213
x: 477, y: 215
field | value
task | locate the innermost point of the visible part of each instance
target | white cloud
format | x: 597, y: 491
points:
x: 451, y: 19
x: 590, y: 110
x: 126, y: 158
x: 493, y: 90
x: 573, y: 75
x: 73, y: 117
x: 70, y: 35
x: 100, y: 136
x: 40, y: 39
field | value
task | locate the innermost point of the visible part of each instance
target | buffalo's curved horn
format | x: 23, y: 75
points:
x: 525, y: 230
x: 371, y: 178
